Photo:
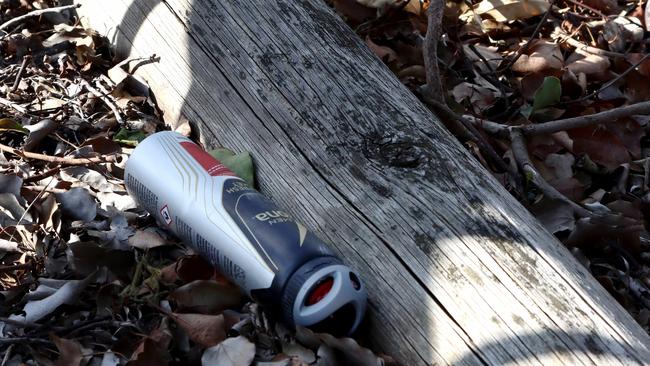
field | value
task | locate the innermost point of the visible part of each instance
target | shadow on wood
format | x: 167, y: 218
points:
x: 457, y: 271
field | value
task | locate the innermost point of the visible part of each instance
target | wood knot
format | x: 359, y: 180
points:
x: 394, y: 150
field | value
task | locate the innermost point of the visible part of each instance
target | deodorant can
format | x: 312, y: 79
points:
x: 247, y: 237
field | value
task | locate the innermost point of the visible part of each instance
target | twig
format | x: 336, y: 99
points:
x: 520, y: 153
x: 7, y: 355
x: 19, y: 323
x: 465, y: 130
x: 8, y: 103
x: 104, y: 99
x: 9, y: 341
x: 434, y: 88
x: 609, y: 116
x: 580, y: 46
x: 21, y: 71
x: 36, y: 13
x: 495, y: 78
x: 56, y: 159
x: 16, y: 267
x: 45, y: 189
x: 585, y: 6
x: 37, y: 177
x: 525, y: 47
x: 493, y: 128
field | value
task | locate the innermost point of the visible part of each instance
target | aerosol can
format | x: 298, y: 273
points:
x: 248, y: 238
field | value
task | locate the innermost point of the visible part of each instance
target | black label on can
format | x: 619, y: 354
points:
x: 281, y: 241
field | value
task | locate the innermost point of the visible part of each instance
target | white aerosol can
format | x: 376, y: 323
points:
x: 248, y: 238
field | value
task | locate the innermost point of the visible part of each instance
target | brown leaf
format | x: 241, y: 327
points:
x: 630, y: 133
x: 543, y: 55
x: 479, y: 97
x: 148, y: 354
x: 587, y: 63
x: 206, y: 330
x: 384, y: 53
x: 350, y: 352
x: 608, y: 7
x: 644, y: 67
x: 188, y: 269
x: 70, y: 351
x: 601, y: 145
x: 206, y: 297
x: 153, y: 349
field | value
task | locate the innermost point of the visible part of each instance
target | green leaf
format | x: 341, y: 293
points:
x: 8, y: 124
x: 547, y: 94
x: 240, y: 164
x: 128, y: 137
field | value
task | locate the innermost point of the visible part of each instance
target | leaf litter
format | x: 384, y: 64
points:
x: 86, y: 277
x: 531, y: 65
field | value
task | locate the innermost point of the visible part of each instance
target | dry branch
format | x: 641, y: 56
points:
x: 36, y: 13
x: 434, y: 88
x: 609, y: 116
x: 57, y: 159
x: 520, y: 152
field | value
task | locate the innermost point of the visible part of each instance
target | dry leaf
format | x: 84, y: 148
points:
x: 206, y: 297
x: 386, y: 54
x: 543, y: 55
x: 488, y: 53
x: 148, y: 238
x: 508, y: 10
x: 70, y: 351
x: 206, y: 330
x: 68, y: 293
x: 587, y: 63
x: 479, y: 97
x: 231, y: 352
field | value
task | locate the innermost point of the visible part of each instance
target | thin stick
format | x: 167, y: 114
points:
x: 585, y: 6
x: 5, y: 359
x: 434, y: 88
x: 580, y: 46
x: 104, y: 99
x: 520, y: 153
x: 493, y: 128
x: 13, y: 105
x: 37, y: 177
x: 56, y: 159
x: 609, y: 116
x: 21, y: 71
x: 465, y: 130
x: 16, y: 267
x: 36, y: 13
x: 8, y: 341
x: 45, y: 189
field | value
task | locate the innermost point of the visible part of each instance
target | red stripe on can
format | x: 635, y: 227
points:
x: 211, y: 165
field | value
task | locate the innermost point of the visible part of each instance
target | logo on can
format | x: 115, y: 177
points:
x: 164, y: 212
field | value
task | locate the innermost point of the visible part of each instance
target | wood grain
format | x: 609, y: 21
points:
x: 457, y: 270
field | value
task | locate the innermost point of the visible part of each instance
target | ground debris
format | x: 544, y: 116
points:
x: 540, y: 67
x: 86, y: 277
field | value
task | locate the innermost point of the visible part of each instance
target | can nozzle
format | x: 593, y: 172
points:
x: 326, y: 296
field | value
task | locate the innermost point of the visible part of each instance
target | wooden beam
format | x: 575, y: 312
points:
x: 457, y: 270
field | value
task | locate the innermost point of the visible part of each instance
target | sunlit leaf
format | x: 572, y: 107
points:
x: 548, y: 94
x: 240, y: 164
